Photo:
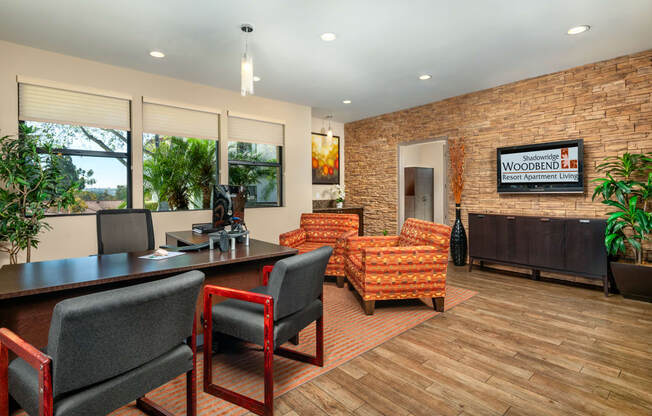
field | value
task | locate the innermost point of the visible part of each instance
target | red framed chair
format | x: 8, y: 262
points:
x: 270, y: 315
x: 106, y: 350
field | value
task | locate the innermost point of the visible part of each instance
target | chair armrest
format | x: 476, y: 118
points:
x: 23, y: 349
x: 227, y: 292
x: 292, y: 238
x: 266, y: 272
x: 355, y: 244
x: 40, y: 361
x: 340, y: 243
x: 268, y: 316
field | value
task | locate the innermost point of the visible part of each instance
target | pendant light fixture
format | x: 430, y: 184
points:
x: 246, y: 65
x: 329, y: 133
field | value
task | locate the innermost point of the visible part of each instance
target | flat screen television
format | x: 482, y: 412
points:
x: 556, y: 167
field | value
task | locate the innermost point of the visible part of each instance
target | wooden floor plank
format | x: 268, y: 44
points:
x: 519, y: 347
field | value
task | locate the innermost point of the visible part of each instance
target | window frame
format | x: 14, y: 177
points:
x: 217, y: 171
x: 94, y: 153
x: 279, y: 165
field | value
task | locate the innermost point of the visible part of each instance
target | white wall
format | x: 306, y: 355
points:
x: 425, y: 155
x: 323, y: 191
x: 74, y: 236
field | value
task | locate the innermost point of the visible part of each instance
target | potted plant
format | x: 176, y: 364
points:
x: 458, y: 234
x: 627, y: 188
x: 338, y: 192
x: 34, y: 179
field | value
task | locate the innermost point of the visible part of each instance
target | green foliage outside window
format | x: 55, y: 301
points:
x: 178, y: 172
x: 257, y: 168
x: 35, y: 179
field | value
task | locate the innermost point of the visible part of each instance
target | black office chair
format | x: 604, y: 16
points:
x: 289, y: 300
x: 124, y: 230
x: 106, y: 350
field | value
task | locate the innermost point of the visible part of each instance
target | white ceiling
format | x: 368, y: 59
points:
x: 381, y: 48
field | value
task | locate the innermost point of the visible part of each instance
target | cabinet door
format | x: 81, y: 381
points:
x: 482, y: 236
x: 511, y: 232
x: 546, y: 242
x: 585, y: 249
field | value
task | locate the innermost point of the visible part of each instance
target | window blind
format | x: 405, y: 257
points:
x: 255, y: 131
x: 170, y: 120
x: 55, y: 105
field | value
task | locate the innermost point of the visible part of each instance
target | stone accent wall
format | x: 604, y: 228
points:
x: 608, y: 104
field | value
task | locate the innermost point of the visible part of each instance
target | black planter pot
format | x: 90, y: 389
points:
x: 632, y: 280
x: 458, y: 240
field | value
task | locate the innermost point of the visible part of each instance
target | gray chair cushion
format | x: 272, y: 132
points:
x: 97, y: 337
x: 297, y: 281
x: 124, y: 231
x: 244, y: 320
x: 101, y: 398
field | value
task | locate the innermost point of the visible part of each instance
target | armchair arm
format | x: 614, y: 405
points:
x: 40, y: 361
x: 340, y: 243
x: 266, y: 271
x: 292, y: 238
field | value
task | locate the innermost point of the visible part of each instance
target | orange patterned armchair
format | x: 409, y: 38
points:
x: 411, y: 265
x: 317, y: 230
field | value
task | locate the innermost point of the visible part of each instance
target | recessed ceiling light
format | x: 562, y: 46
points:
x: 157, y: 54
x: 256, y: 79
x: 424, y: 77
x: 578, y: 29
x: 328, y: 37
x: 346, y: 101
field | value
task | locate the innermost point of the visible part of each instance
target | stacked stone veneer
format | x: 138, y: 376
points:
x: 608, y: 104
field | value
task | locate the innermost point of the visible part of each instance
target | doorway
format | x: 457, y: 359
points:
x: 422, y: 172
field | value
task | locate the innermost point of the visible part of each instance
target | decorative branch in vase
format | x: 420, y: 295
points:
x: 458, y: 234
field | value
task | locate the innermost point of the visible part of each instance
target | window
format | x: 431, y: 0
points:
x: 178, y: 172
x: 91, y: 132
x: 257, y: 167
x: 180, y: 154
x: 97, y: 158
x: 255, y: 152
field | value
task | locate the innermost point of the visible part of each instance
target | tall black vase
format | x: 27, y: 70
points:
x: 458, y: 240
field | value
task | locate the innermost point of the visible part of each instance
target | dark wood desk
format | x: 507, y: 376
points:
x: 28, y: 292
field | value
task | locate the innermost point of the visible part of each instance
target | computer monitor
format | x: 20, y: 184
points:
x: 228, y: 202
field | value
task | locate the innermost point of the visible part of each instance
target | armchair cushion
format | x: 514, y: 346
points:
x: 309, y: 246
x: 104, y: 397
x: 244, y: 320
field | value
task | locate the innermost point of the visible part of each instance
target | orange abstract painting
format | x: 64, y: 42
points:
x: 325, y: 159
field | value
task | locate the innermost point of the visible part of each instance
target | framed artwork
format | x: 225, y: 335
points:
x: 325, y: 159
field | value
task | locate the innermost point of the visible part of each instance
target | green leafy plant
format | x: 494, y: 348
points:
x: 627, y: 187
x: 180, y: 171
x: 248, y: 175
x: 202, y: 168
x: 35, y: 179
x: 165, y: 173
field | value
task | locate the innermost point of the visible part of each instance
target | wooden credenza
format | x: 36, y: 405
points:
x: 346, y: 210
x: 572, y: 246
